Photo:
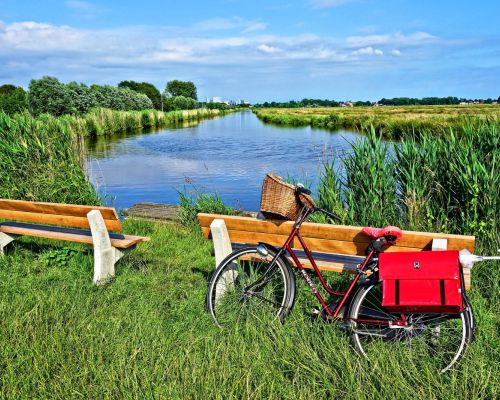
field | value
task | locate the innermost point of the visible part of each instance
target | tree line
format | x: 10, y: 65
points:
x: 49, y: 95
x: 396, y: 101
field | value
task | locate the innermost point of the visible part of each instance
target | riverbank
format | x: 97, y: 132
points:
x: 42, y: 158
x: 147, y: 334
x: 389, y: 121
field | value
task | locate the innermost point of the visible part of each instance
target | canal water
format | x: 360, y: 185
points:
x: 229, y: 155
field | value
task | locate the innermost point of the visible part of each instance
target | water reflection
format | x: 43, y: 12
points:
x: 228, y: 155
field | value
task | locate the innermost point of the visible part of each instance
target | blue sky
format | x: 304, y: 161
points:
x: 260, y: 50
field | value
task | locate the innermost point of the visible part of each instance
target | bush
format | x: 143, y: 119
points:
x: 12, y: 99
x: 48, y: 95
x: 145, y: 88
x: 82, y: 98
x: 179, y: 103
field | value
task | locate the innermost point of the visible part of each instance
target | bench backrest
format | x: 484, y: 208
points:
x: 323, y: 237
x: 68, y: 215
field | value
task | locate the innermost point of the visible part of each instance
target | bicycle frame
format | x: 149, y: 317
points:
x: 287, y: 247
x: 344, y: 295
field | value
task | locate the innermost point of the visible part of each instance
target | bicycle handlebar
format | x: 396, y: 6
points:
x: 467, y: 259
x: 329, y: 214
x: 301, y: 189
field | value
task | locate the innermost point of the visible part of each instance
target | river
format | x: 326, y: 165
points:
x: 229, y: 155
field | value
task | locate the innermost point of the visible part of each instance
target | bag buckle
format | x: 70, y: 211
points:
x: 416, y: 265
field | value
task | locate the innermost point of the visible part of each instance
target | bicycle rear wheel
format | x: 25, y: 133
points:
x: 436, y: 338
x: 245, y: 285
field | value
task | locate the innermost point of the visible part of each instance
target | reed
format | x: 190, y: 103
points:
x: 41, y: 159
x: 425, y: 182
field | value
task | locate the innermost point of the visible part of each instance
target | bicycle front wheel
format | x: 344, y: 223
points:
x: 430, y: 338
x: 248, y: 284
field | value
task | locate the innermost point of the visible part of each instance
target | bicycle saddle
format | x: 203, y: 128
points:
x: 376, y: 233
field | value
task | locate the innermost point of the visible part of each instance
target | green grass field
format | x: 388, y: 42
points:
x: 390, y: 121
x: 147, y: 335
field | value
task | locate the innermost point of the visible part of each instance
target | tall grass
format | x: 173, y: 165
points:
x: 429, y: 183
x: 41, y: 159
x: 104, y: 121
x: 446, y: 183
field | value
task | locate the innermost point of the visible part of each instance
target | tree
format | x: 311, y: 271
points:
x: 180, y: 103
x: 181, y: 88
x: 7, y: 88
x: 145, y: 88
x: 48, y: 95
x: 82, y: 97
x: 12, y: 99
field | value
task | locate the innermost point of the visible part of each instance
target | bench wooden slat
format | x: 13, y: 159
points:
x: 84, y: 237
x: 323, y: 245
x: 56, y: 219
x: 320, y: 234
x: 56, y: 208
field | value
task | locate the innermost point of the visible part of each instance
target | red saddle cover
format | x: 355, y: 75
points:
x: 421, y: 282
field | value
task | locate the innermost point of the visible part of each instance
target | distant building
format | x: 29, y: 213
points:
x: 216, y: 99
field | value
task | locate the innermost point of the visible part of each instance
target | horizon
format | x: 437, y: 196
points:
x: 260, y: 52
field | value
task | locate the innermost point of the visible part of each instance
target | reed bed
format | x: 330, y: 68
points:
x: 42, y: 158
x: 391, y: 122
x: 104, y: 121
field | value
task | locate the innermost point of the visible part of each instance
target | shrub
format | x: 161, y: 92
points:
x: 48, y: 95
x: 12, y: 99
x: 82, y: 97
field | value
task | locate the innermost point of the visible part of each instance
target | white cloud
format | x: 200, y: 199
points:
x: 104, y: 54
x: 414, y: 39
x: 367, y: 51
x: 267, y: 49
x: 235, y: 23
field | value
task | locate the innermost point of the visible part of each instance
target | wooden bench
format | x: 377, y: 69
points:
x: 336, y: 248
x: 72, y: 223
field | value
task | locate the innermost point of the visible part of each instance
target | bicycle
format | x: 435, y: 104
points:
x: 257, y: 279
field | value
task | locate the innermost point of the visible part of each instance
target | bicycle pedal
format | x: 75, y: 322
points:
x: 315, y: 313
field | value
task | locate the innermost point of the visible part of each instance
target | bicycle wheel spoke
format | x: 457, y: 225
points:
x: 433, y: 338
x: 245, y: 288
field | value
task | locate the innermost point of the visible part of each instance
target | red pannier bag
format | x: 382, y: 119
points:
x: 422, y: 282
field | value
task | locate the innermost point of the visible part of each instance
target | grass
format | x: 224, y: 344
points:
x: 391, y: 122
x: 147, y: 335
x: 41, y: 159
x: 193, y: 203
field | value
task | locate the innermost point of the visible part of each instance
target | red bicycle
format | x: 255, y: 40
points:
x: 258, y: 280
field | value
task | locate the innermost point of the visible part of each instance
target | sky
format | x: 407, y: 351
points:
x: 260, y: 50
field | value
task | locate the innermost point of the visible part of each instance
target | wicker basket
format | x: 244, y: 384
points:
x: 280, y: 200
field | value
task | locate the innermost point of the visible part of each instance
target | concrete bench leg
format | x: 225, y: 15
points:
x: 5, y: 239
x: 105, y: 255
x: 222, y: 248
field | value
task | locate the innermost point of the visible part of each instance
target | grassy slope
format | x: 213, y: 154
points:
x: 147, y: 335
